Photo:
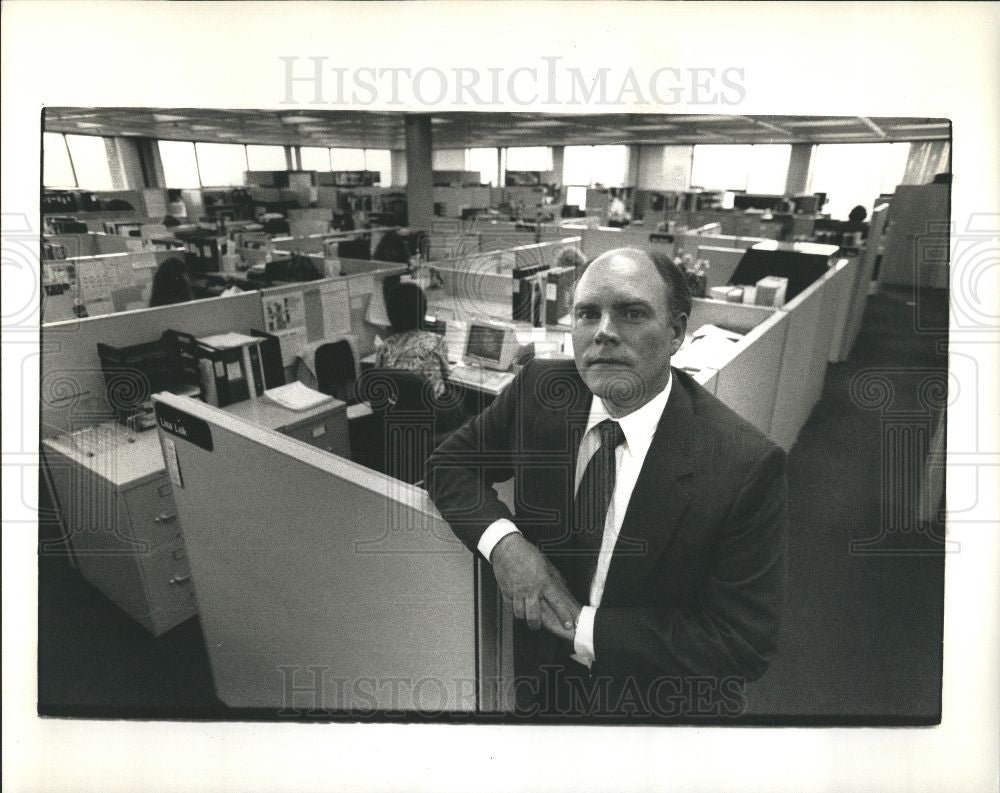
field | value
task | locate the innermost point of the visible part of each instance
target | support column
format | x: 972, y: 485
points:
x: 397, y: 164
x: 419, y: 172
x: 558, y: 155
x: 798, y: 169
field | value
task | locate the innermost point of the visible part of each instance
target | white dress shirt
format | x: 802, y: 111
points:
x: 638, y: 428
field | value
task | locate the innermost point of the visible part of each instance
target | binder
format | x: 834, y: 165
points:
x: 231, y: 368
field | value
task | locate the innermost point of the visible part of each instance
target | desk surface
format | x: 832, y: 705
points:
x: 125, y: 457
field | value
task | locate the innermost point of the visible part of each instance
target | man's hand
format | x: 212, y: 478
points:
x: 527, y: 581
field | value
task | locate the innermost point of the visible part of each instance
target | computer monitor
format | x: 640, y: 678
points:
x: 490, y: 345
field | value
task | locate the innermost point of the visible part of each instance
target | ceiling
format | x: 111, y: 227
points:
x: 385, y: 130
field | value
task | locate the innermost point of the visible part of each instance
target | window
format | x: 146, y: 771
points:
x: 529, y: 158
x: 720, y: 167
x: 853, y: 174
x: 180, y: 166
x: 90, y: 161
x: 221, y: 164
x: 58, y: 168
x: 595, y: 165
x: 347, y: 159
x: 756, y: 169
x: 767, y: 168
x: 576, y: 166
x: 577, y: 196
x: 314, y: 158
x: 486, y: 162
x: 266, y: 158
x: 380, y: 160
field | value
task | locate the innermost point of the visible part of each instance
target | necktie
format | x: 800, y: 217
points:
x: 590, y: 506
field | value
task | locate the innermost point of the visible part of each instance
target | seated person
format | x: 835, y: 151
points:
x: 410, y: 346
x: 392, y: 248
x: 858, y: 214
x: 170, y: 284
x: 617, y: 214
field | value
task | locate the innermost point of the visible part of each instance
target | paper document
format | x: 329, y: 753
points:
x: 296, y: 396
x: 226, y: 341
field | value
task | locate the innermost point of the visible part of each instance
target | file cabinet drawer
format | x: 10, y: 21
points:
x: 167, y: 580
x: 152, y: 515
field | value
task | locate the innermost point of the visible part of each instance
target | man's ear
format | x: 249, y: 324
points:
x: 679, y: 327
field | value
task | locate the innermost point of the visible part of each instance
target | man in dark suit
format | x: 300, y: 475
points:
x: 649, y: 525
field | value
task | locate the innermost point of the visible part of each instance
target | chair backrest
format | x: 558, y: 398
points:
x: 336, y: 372
x: 411, y: 420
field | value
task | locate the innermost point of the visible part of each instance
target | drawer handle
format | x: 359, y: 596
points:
x: 165, y: 517
x: 180, y: 579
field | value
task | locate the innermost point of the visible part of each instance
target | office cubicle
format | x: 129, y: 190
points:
x: 746, y: 369
x: 484, y: 284
x: 73, y: 389
x: 356, y: 597
x: 87, y: 286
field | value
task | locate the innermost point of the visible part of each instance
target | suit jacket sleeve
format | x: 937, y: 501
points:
x: 730, y: 628
x: 464, y: 468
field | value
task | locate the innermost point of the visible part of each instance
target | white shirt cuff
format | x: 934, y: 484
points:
x: 495, y: 532
x: 583, y: 641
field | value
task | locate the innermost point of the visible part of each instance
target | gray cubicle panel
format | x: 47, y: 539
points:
x: 322, y: 584
x: 847, y: 283
x: 798, y: 370
x: 602, y: 239
x: 834, y: 281
x: 876, y: 230
x: 73, y: 391
x: 814, y: 324
x: 748, y: 381
x: 721, y: 263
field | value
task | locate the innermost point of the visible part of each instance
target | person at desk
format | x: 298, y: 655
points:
x: 410, y: 346
x: 392, y: 248
x: 648, y: 533
x: 617, y: 214
x: 170, y: 284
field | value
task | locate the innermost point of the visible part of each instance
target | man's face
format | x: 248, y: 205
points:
x: 623, y: 334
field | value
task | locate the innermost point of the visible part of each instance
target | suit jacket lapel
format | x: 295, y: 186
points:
x: 562, y: 406
x: 658, y: 502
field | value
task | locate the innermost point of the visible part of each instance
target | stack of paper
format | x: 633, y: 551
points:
x: 296, y: 396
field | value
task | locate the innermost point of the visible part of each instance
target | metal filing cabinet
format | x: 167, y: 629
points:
x: 118, y: 512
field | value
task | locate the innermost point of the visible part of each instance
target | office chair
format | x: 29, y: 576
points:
x: 336, y: 370
x: 409, y: 421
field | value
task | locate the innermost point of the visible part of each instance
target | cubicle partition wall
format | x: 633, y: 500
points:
x: 446, y: 245
x: 73, y: 389
x: 688, y: 242
x: 500, y: 236
x: 747, y: 381
x: 861, y: 282
x: 598, y: 240
x: 483, y: 284
x: 88, y: 286
x: 721, y: 263
x: 303, y: 314
x: 73, y: 386
x: 91, y: 244
x: 357, y: 598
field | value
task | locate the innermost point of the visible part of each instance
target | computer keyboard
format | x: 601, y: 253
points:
x: 480, y: 378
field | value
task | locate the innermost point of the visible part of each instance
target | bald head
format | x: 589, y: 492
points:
x: 628, y: 320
